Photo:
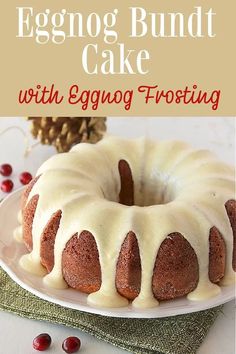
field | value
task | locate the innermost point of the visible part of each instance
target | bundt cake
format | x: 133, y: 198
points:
x: 132, y: 220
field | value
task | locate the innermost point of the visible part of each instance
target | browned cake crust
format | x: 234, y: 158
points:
x: 176, y: 268
x: 27, y: 191
x: 128, y: 271
x: 80, y: 263
x: 28, y: 213
x: 48, y: 240
x: 217, y: 255
x: 126, y: 195
x: 231, y: 211
x: 28, y: 217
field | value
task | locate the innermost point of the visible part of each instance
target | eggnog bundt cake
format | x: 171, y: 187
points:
x: 132, y: 220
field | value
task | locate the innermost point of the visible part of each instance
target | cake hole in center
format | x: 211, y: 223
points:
x: 152, y: 194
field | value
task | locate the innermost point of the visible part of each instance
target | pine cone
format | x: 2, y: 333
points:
x: 64, y: 132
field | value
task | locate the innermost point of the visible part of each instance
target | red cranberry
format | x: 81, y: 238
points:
x: 71, y: 345
x: 42, y: 342
x: 25, y: 177
x: 7, y: 186
x: 5, y: 170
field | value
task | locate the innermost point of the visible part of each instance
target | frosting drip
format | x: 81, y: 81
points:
x: 175, y: 187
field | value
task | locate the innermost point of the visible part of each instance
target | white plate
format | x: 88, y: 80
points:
x: 11, y: 251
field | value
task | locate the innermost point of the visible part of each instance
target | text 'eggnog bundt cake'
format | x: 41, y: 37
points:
x: 132, y: 220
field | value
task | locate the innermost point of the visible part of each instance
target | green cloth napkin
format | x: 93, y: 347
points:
x: 171, y: 335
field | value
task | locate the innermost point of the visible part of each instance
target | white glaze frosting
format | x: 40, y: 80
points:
x: 176, y: 189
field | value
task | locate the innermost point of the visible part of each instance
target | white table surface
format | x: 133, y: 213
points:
x: 217, y: 134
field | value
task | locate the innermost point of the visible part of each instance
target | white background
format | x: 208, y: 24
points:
x: 217, y: 134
